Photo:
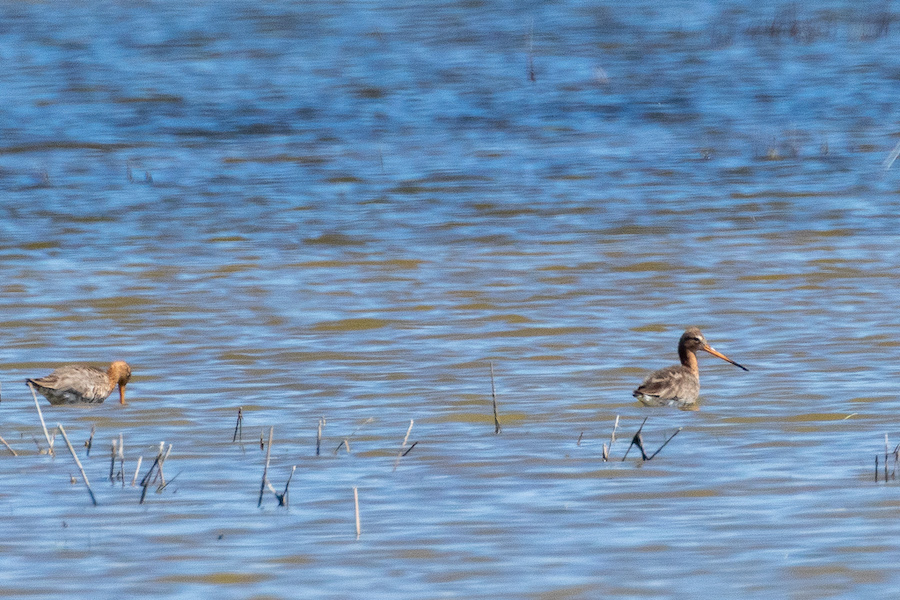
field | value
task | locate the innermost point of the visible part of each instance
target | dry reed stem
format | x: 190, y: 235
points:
x: 112, y: 462
x: 497, y: 427
x: 408, y: 450
x: 319, y: 435
x: 889, y: 161
x: 666, y: 442
x: 157, y: 464
x: 122, y: 458
x: 137, y: 470
x: 356, y: 509
x: 265, y: 477
x: 8, y: 446
x: 283, y: 498
x: 239, y: 426
x: 118, y: 452
x: 41, y: 416
x: 896, y: 454
x: 90, y: 441
x: 145, y: 482
x: 346, y: 441
x: 77, y: 462
x: 637, y: 440
x: 162, y: 476
x: 612, y: 438
x: 403, y: 445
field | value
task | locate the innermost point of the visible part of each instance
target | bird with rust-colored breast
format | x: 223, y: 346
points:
x: 80, y: 384
x: 679, y: 385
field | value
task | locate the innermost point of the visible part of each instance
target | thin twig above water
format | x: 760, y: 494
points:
x: 77, y: 462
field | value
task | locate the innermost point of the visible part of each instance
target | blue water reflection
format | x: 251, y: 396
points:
x: 349, y: 210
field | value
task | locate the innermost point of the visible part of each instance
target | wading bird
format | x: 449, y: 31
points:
x: 679, y: 385
x: 78, y: 384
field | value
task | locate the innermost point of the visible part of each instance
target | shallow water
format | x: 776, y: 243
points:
x: 349, y: 211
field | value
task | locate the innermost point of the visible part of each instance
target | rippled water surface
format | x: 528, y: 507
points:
x: 348, y: 211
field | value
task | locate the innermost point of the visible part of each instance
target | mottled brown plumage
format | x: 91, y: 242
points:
x: 78, y: 384
x: 679, y: 385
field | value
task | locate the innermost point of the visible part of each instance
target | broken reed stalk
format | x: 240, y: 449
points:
x: 157, y: 465
x: 346, y: 441
x: 403, y: 445
x: 319, y: 435
x: 891, y: 157
x: 145, y: 482
x: 118, y: 452
x: 637, y: 440
x: 239, y: 427
x: 8, y: 446
x: 283, y: 498
x: 41, y: 416
x: 497, y: 427
x: 90, y: 441
x: 137, y: 470
x: 159, y: 470
x: 887, y: 454
x: 892, y: 474
x: 666, y: 442
x: 896, y: 454
x: 265, y: 477
x: 408, y: 450
x: 356, y: 509
x: 122, y: 458
x: 612, y: 438
x: 77, y: 462
x: 112, y: 462
x: 160, y: 458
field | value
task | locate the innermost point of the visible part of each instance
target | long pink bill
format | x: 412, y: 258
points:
x: 718, y: 354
